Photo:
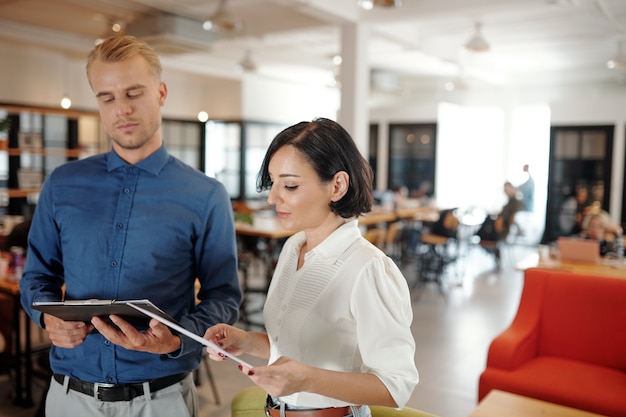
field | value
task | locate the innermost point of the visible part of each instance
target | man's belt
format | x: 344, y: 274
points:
x: 118, y: 392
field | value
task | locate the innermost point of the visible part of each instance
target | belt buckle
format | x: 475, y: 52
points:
x: 97, y: 386
x: 269, y: 404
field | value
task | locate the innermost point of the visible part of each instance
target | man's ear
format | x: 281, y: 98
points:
x: 341, y: 183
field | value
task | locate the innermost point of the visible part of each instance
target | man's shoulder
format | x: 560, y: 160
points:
x: 77, y: 166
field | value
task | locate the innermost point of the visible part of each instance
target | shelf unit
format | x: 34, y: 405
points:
x: 56, y: 134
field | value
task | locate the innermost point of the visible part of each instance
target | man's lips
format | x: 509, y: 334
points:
x: 126, y: 125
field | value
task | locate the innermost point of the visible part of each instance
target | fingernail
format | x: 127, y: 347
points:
x: 240, y: 367
x: 222, y: 355
x: 250, y: 373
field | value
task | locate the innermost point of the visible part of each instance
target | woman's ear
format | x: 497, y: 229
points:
x: 340, y: 183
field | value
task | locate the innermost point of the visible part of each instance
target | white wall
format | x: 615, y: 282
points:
x: 277, y: 101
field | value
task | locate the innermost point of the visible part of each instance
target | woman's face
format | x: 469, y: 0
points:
x: 301, y: 199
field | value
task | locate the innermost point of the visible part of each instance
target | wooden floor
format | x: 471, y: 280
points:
x: 452, y: 334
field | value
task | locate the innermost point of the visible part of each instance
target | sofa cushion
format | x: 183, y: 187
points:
x: 568, y: 382
x: 582, y: 318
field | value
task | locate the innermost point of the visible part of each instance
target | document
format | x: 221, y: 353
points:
x: 133, y: 311
x: 171, y: 324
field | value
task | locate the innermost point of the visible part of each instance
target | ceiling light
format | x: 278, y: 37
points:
x: 222, y: 20
x: 66, y: 102
x: 247, y: 64
x: 620, y: 59
x: 370, y: 4
x: 477, y: 43
x: 203, y: 116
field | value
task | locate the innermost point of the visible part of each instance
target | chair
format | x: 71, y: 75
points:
x: 437, y: 249
x: 250, y: 402
x: 393, y: 240
x: 376, y: 236
x: 209, y: 374
x: 566, y: 344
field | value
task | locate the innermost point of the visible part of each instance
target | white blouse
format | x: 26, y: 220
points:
x: 347, y: 309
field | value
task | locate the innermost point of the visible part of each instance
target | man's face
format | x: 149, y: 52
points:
x: 129, y: 99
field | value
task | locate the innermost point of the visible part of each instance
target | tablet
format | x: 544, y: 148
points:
x: 84, y: 310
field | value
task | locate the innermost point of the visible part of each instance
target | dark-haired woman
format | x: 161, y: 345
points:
x: 338, y: 310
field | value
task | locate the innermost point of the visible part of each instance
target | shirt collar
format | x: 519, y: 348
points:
x: 153, y: 164
x: 336, y: 243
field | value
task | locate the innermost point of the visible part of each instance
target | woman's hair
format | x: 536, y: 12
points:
x: 121, y: 48
x: 329, y: 148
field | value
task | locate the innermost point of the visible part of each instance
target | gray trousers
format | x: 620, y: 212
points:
x: 180, y: 399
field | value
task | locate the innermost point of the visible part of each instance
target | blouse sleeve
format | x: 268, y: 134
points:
x: 381, y: 304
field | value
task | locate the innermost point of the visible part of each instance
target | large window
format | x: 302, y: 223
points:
x: 580, y: 158
x: 183, y: 140
x: 234, y: 152
x: 412, y: 150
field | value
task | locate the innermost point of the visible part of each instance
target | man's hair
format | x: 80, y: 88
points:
x: 121, y: 48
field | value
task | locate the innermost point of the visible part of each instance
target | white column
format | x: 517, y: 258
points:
x: 354, y: 79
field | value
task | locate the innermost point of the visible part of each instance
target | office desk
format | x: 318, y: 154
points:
x: 23, y: 354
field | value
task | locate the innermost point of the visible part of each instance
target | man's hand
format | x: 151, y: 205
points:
x: 156, y: 339
x: 66, y: 334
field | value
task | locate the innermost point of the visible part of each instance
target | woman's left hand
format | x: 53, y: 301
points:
x: 283, y: 377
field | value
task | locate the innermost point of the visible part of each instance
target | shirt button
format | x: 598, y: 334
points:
x: 107, y: 343
x: 120, y: 226
x: 109, y: 379
x: 113, y: 263
x: 126, y: 190
x: 275, y: 339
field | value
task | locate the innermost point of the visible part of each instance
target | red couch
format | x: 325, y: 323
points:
x: 566, y: 344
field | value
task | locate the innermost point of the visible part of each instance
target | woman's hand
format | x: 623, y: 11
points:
x: 283, y: 377
x: 231, y: 339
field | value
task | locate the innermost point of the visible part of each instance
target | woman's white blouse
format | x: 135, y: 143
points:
x: 347, y: 309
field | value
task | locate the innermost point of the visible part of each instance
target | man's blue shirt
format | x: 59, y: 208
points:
x: 111, y: 230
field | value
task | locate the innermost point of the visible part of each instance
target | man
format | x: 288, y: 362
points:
x: 527, y: 188
x: 130, y: 224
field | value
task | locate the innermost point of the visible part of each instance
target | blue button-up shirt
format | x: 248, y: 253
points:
x: 111, y: 230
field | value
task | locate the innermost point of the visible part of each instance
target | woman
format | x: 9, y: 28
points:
x: 338, y: 310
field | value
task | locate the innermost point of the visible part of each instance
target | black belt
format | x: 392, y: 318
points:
x: 118, y: 392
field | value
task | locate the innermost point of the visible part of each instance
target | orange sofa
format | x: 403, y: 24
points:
x: 566, y: 344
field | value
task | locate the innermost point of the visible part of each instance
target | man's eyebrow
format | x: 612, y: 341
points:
x: 132, y: 87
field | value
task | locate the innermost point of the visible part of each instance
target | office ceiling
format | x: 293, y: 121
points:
x: 419, y: 45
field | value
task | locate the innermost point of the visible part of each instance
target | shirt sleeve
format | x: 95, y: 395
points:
x: 43, y: 272
x: 219, y: 294
x: 382, y: 306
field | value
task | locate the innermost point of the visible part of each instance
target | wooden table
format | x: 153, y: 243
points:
x: 605, y: 267
x: 505, y: 404
x: 422, y: 213
x: 377, y: 216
